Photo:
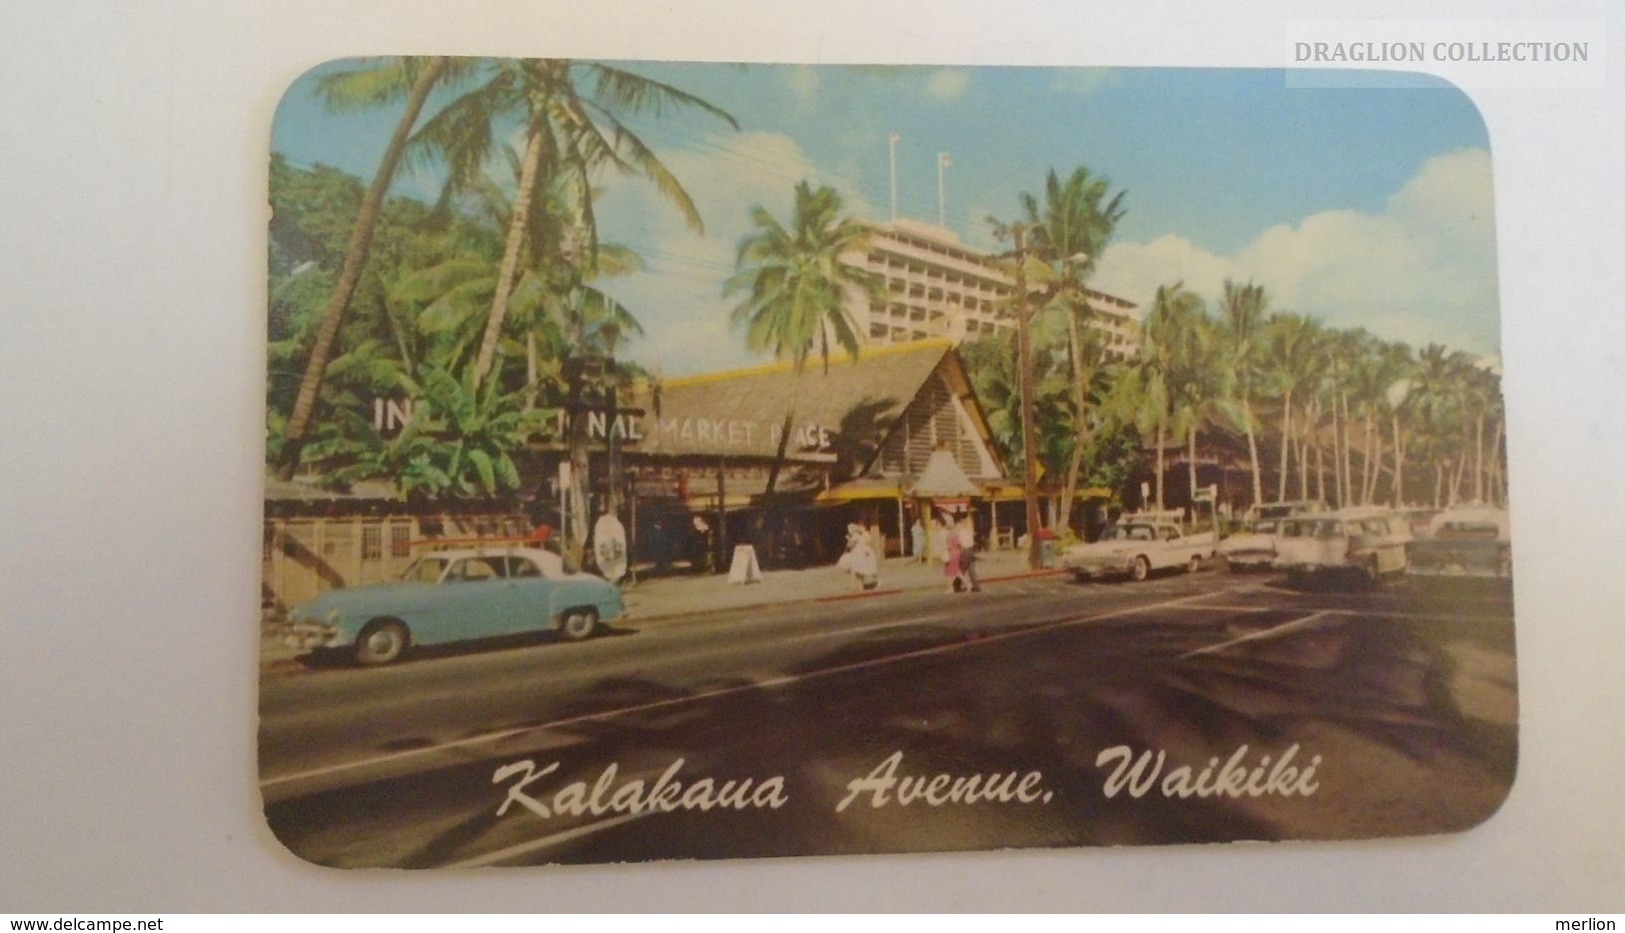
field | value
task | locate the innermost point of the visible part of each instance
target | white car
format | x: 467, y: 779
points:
x: 1469, y: 540
x: 1370, y: 542
x: 1253, y: 548
x: 1134, y: 549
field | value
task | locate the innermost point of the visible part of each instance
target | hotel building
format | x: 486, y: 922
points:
x: 938, y: 287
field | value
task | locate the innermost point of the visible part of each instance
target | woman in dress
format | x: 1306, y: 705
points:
x: 954, y: 568
x: 865, y: 567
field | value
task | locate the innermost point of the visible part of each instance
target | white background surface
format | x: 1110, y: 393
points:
x: 132, y: 317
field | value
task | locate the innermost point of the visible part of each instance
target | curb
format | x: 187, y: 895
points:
x: 840, y: 597
x: 846, y: 597
x: 1028, y: 575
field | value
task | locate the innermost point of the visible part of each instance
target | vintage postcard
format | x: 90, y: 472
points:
x: 695, y: 461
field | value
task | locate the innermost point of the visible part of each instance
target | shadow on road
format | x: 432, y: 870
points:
x: 1377, y: 701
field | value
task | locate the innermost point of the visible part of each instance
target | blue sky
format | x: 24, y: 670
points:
x: 1359, y: 206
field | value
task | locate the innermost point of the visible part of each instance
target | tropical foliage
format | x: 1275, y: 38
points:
x: 481, y: 316
x: 1337, y: 415
x: 374, y: 299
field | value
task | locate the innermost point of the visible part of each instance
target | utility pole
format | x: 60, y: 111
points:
x: 942, y: 190
x: 1029, y: 414
x: 895, y: 136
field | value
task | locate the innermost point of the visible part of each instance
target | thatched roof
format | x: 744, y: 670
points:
x: 743, y: 413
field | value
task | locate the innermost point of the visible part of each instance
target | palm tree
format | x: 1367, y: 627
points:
x: 1197, y: 380
x: 1241, y: 329
x: 1372, y: 378
x: 797, y: 291
x: 571, y: 132
x: 572, y: 117
x: 377, y: 85
x: 1174, y: 311
x: 1068, y: 232
x: 554, y: 301
x: 1289, y: 362
x: 1439, y: 411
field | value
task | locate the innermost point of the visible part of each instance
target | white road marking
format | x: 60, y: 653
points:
x: 713, y: 694
x: 1363, y: 613
x: 1274, y: 632
x: 833, y: 633
x: 523, y: 848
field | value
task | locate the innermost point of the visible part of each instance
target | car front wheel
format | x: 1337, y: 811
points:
x: 383, y: 641
x: 578, y: 624
x: 1141, y: 569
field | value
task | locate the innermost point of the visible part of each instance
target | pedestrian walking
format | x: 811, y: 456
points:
x: 967, y: 555
x: 954, y: 568
x: 916, y: 537
x: 859, y: 560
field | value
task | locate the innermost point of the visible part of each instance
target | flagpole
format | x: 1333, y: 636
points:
x: 895, y: 136
x: 942, y: 192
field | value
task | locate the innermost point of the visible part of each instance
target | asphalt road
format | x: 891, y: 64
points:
x: 819, y: 728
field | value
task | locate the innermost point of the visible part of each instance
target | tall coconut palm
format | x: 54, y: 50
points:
x: 1198, y: 379
x: 378, y: 84
x: 1241, y: 330
x: 1371, y: 383
x: 1438, y: 410
x: 1174, y: 311
x: 1399, y: 403
x: 797, y: 294
x: 1291, y: 361
x: 1348, y: 348
x: 572, y: 116
x: 1068, y: 232
x: 554, y: 300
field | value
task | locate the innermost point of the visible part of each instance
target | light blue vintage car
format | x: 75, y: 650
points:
x: 458, y: 595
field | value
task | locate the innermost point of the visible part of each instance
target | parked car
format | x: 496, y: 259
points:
x: 1287, y: 509
x: 1465, y: 541
x: 1370, y: 542
x: 1134, y: 549
x: 1253, y: 548
x: 458, y: 595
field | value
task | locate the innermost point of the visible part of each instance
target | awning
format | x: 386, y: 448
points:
x: 944, y: 479
x: 1016, y: 493
x: 861, y: 492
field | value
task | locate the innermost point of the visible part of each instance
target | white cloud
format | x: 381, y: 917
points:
x: 947, y: 83
x: 1135, y: 270
x: 1423, y: 270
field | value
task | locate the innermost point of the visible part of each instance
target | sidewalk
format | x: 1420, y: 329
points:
x: 677, y: 596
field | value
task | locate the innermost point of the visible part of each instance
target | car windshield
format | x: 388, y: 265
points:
x: 1324, y: 528
x: 425, y: 570
x: 1469, y: 529
x: 1127, y: 533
